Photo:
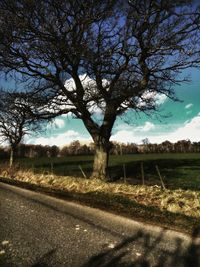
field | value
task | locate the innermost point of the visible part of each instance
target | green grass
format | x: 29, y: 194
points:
x: 178, y: 170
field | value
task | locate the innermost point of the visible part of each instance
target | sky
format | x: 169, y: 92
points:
x: 176, y: 121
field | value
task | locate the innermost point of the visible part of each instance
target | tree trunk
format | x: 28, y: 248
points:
x: 13, y: 152
x: 11, y: 157
x: 101, y: 136
x: 100, y: 164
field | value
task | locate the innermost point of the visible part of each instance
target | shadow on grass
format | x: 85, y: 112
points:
x: 177, y: 173
x: 65, y: 168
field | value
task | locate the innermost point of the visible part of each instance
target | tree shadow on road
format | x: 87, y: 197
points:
x: 149, y: 253
x: 141, y: 249
x: 44, y: 261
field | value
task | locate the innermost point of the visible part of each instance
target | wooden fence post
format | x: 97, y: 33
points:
x: 142, y: 172
x: 124, y: 170
x: 84, y: 175
x: 161, y: 179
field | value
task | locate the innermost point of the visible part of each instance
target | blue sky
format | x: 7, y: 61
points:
x: 182, y: 122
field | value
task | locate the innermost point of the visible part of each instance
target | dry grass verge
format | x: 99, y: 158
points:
x: 173, y: 208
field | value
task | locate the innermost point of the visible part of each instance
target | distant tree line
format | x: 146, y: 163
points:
x: 76, y: 148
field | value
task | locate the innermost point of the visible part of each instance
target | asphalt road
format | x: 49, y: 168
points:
x: 37, y: 230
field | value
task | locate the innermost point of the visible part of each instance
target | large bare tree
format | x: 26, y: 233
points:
x: 116, y: 55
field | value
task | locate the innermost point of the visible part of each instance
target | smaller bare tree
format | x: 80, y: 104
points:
x: 19, y: 116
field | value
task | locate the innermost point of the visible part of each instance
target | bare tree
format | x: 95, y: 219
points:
x: 128, y: 51
x: 18, y: 117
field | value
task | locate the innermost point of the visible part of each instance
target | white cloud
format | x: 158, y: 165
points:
x: 148, y: 126
x: 59, y: 123
x: 189, y: 130
x: 160, y: 99
x: 124, y: 136
x: 85, y: 80
x: 134, y: 134
x: 151, y: 98
x: 188, y: 106
x: 60, y: 139
x: 90, y: 92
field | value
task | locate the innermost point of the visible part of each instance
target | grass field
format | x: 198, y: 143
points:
x: 177, y: 170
